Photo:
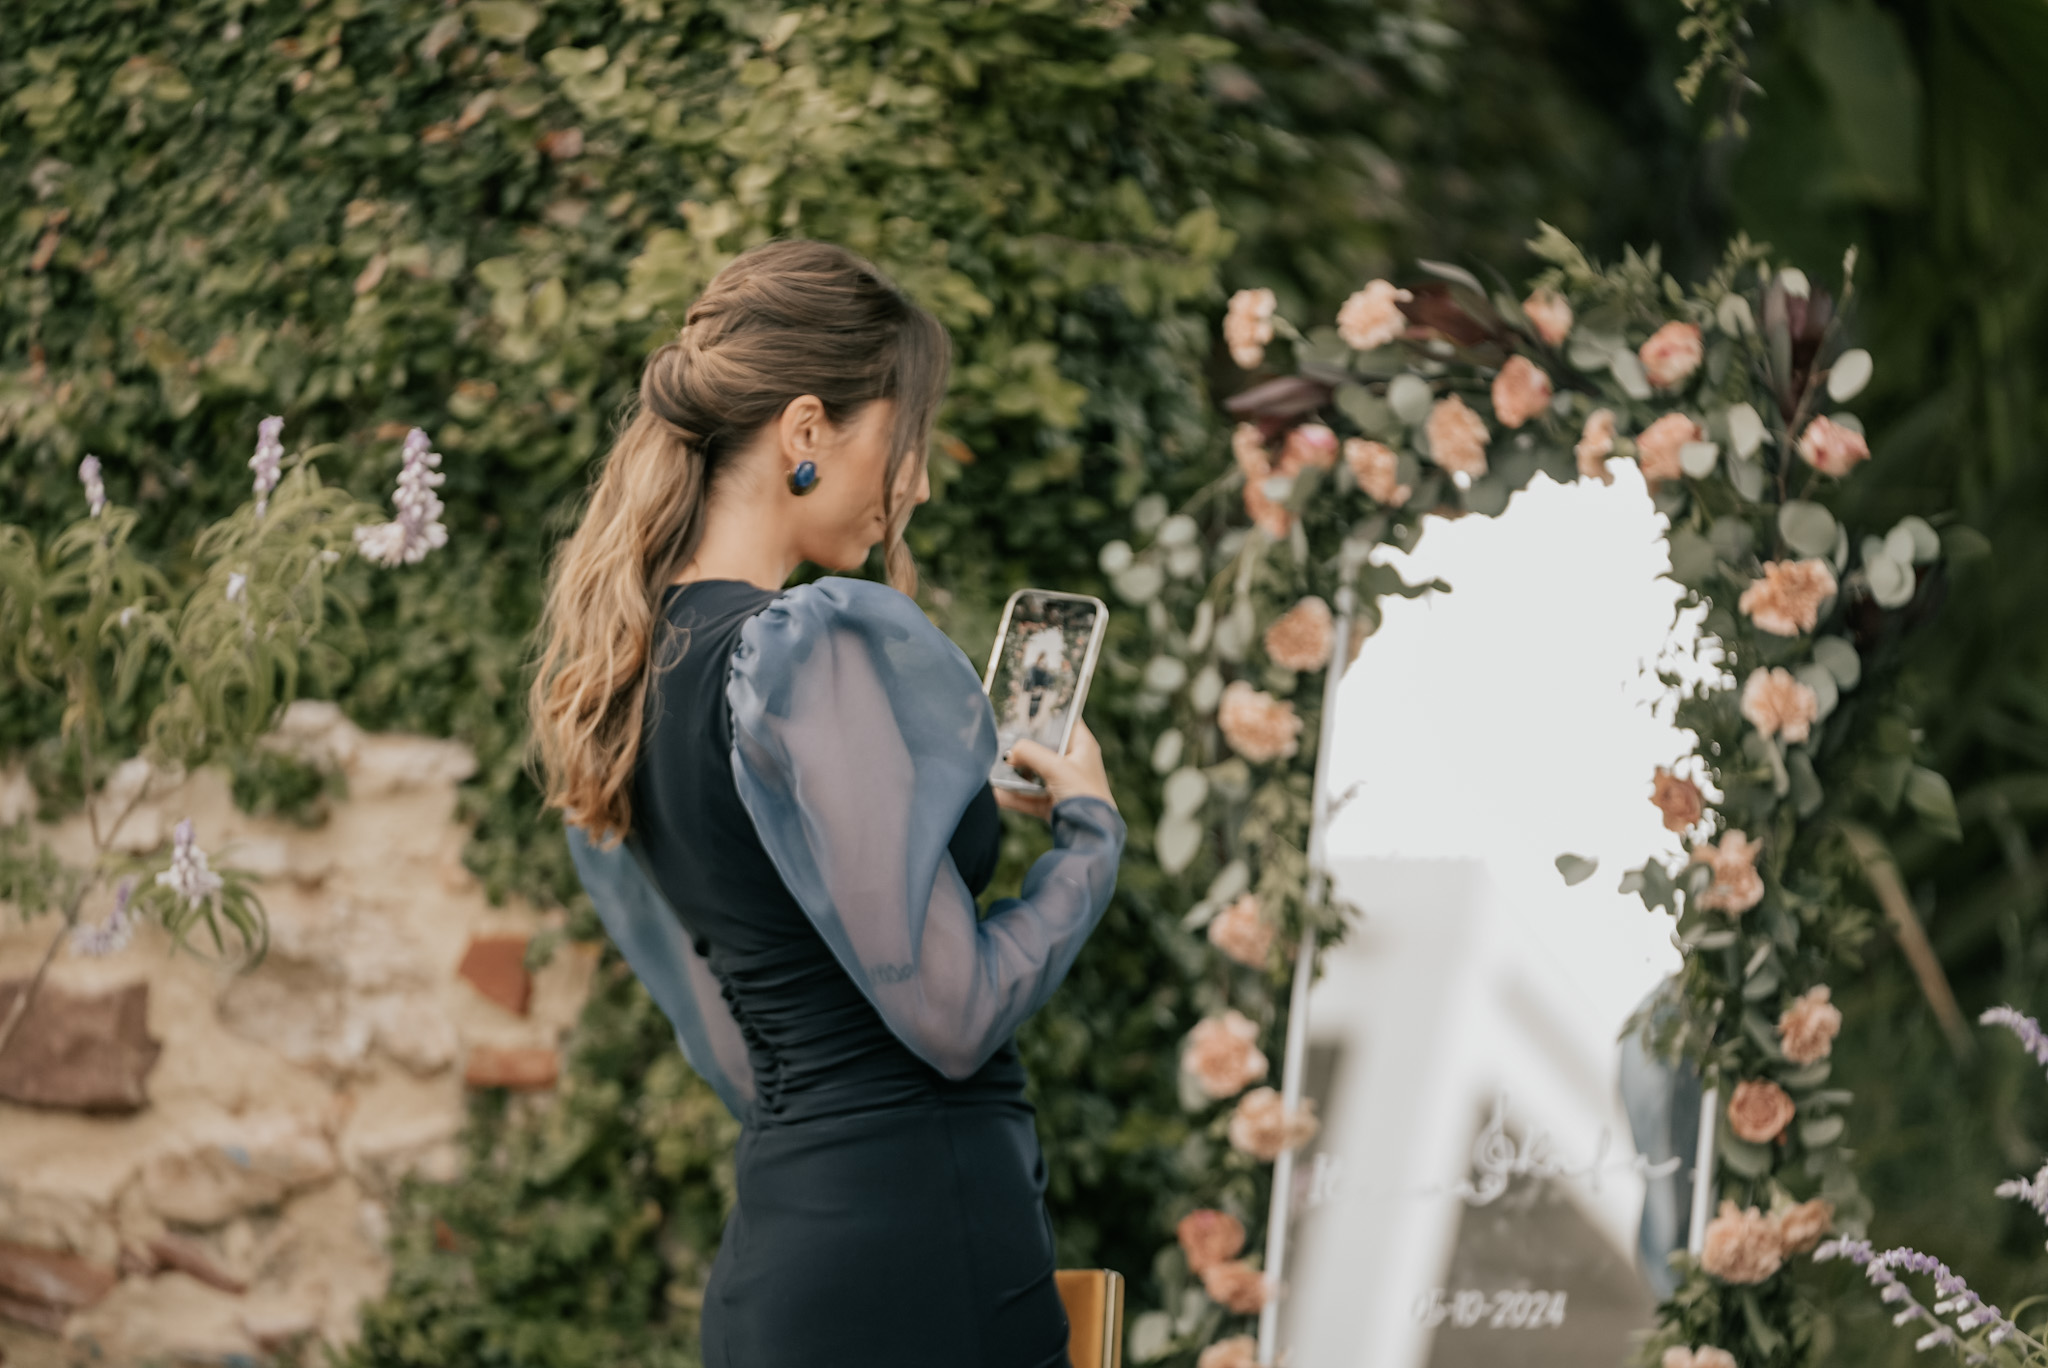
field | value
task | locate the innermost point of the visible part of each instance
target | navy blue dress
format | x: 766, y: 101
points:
x: 812, y: 823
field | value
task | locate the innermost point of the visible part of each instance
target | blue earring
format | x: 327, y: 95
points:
x: 804, y: 478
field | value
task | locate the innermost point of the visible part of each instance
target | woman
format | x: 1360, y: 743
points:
x: 802, y: 779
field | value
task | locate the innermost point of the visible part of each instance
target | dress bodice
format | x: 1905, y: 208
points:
x: 814, y: 1041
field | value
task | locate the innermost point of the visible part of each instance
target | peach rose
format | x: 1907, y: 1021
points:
x: 1657, y: 448
x: 1596, y: 444
x: 1678, y: 799
x: 1310, y: 445
x: 1372, y: 317
x: 1520, y: 392
x: 1672, y: 353
x: 1299, y: 639
x: 1741, y: 1246
x: 1832, y: 449
x: 1777, y: 704
x: 1257, y: 725
x: 1239, y: 1351
x: 1248, y: 326
x: 1377, y: 470
x: 1551, y: 314
x: 1262, y: 1127
x: 1268, y: 514
x: 1209, y: 1237
x: 1809, y: 1026
x: 1759, y: 1111
x: 1222, y: 1054
x: 1705, y: 1356
x: 1737, y: 886
x: 1457, y: 437
x: 1787, y: 600
x: 1801, y: 1227
x: 1237, y: 1285
x: 1248, y: 448
x: 1242, y: 932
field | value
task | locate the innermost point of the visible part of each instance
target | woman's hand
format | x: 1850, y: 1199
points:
x: 1077, y: 774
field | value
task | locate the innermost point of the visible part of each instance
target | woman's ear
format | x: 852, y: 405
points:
x: 802, y: 427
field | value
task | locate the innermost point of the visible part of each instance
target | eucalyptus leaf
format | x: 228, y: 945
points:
x: 1576, y: 868
x: 1751, y: 1161
x: 1821, y: 680
x: 1140, y: 583
x: 1692, y: 558
x: 1748, y: 479
x: 1230, y: 882
x: 1410, y: 397
x: 1807, y: 1076
x: 1457, y: 275
x: 1821, y: 1131
x: 1698, y: 459
x: 1373, y: 415
x: 1806, y: 527
x: 1184, y: 791
x: 1165, y: 674
x: 1629, y: 374
x: 1891, y: 582
x: 1925, y: 541
x: 1176, y: 841
x: 1839, y: 657
x: 1206, y: 690
x: 1745, y: 429
x: 1928, y: 793
x: 1807, y: 794
x: 1166, y: 750
x: 1115, y: 557
x: 1849, y: 374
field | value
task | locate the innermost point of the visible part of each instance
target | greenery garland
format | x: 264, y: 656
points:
x: 1447, y: 397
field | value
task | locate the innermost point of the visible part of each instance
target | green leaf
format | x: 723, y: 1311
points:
x: 1930, y: 796
x: 1807, y: 528
x: 1821, y: 1131
x: 507, y: 21
x: 1576, y: 868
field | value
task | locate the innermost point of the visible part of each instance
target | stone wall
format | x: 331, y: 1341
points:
x: 195, y: 1164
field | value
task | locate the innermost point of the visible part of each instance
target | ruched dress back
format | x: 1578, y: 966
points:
x: 812, y: 823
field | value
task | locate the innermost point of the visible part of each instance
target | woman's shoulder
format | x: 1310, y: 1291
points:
x: 836, y: 606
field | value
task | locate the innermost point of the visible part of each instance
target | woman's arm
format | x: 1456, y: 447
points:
x: 860, y: 734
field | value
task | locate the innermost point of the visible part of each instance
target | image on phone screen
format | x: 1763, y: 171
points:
x: 1039, y: 674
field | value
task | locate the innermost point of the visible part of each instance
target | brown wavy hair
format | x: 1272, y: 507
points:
x: 782, y: 320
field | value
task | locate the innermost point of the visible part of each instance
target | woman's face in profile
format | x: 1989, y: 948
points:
x: 842, y: 520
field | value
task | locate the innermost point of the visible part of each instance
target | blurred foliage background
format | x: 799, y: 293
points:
x: 478, y: 217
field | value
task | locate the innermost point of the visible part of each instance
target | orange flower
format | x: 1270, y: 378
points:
x: 1248, y: 448
x: 1551, y: 314
x: 1777, y: 704
x: 1222, y: 1054
x: 1299, y: 639
x: 1800, y: 1227
x: 1672, y: 353
x: 1678, y: 799
x: 1248, y: 326
x: 1377, y: 470
x: 1263, y: 1128
x: 1759, y: 1111
x: 1741, y: 1246
x: 1832, y: 449
x: 1457, y: 437
x: 1657, y: 447
x: 1372, y: 317
x: 1596, y: 444
x: 1209, y: 1237
x: 1310, y: 446
x: 1737, y: 886
x: 1237, y: 1285
x: 1809, y: 1026
x: 1520, y: 392
x: 1242, y: 933
x: 1787, y: 600
x: 1257, y: 725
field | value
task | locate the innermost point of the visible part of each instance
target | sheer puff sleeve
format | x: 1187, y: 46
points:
x: 860, y: 735
x: 645, y: 927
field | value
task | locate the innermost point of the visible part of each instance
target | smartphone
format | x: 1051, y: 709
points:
x: 1038, y: 673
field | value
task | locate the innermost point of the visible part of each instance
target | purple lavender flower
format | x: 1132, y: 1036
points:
x: 103, y: 938
x: 2025, y: 1027
x: 95, y: 492
x: 1971, y: 1311
x: 417, y: 529
x: 269, y: 452
x: 2033, y: 1191
x: 188, y: 875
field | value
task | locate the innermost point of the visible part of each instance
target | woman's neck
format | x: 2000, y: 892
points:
x: 744, y: 539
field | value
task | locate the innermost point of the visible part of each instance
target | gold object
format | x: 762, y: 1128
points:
x: 1094, y: 1298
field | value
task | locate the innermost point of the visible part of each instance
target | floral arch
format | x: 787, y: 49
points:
x: 1447, y: 397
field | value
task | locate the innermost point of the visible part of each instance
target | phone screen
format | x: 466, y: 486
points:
x: 1039, y: 675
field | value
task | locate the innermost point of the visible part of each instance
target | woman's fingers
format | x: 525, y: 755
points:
x: 1077, y: 774
x: 1031, y: 804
